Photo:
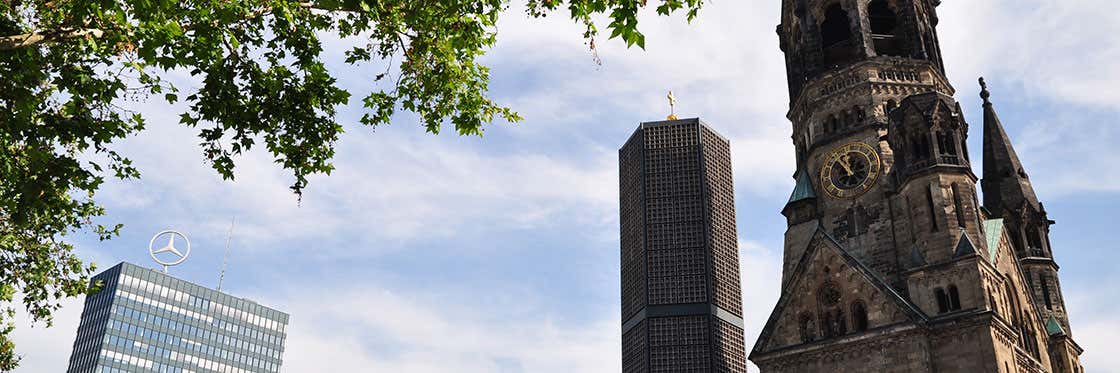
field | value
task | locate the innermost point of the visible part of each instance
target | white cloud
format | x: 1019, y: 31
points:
x: 1057, y: 49
x: 761, y: 278
x: 388, y: 186
x: 44, y: 349
x: 373, y: 329
x: 1066, y: 156
x: 377, y: 329
x: 1094, y: 323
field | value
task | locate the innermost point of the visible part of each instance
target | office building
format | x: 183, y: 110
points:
x: 143, y: 320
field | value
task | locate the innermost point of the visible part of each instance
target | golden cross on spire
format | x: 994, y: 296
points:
x: 672, y: 106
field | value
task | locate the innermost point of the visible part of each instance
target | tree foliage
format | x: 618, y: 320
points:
x: 67, y: 68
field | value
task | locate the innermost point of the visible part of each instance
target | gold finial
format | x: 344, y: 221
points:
x: 672, y: 106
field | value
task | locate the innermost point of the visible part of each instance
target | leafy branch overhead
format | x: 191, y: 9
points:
x: 70, y: 67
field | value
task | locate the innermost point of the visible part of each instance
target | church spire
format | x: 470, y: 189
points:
x: 1006, y: 184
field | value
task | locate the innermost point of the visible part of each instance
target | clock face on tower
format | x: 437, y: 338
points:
x: 850, y: 170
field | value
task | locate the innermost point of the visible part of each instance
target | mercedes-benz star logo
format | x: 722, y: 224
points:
x: 169, y: 250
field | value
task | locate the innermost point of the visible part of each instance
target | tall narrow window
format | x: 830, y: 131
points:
x: 859, y: 316
x: 827, y: 325
x: 947, y: 148
x: 1034, y: 239
x: 954, y: 298
x: 1017, y: 242
x: 833, y: 323
x: 958, y: 205
x: 808, y: 329
x: 942, y: 300
x: 932, y: 211
x: 1012, y: 300
x: 1045, y: 291
x: 950, y: 143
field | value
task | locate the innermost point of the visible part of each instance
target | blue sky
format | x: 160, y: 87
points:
x: 500, y: 254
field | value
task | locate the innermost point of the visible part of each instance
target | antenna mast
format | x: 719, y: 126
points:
x: 225, y: 260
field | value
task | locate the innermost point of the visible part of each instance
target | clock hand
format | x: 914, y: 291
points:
x: 846, y: 164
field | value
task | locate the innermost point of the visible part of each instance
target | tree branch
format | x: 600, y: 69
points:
x: 36, y: 38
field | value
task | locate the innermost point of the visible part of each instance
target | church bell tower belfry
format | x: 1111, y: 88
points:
x: 891, y: 262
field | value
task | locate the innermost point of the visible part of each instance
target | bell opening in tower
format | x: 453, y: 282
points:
x: 884, y: 29
x: 836, y: 37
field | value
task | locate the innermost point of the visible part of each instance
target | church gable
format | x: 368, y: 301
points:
x: 830, y: 295
x: 1012, y: 299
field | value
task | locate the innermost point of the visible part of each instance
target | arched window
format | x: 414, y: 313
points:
x: 860, y: 115
x: 954, y: 298
x: 859, y: 316
x: 833, y: 323
x: 942, y: 300
x: 883, y: 19
x: 884, y: 29
x: 836, y: 27
x: 808, y: 329
x: 836, y: 36
x: 1034, y: 239
x: 992, y: 300
x: 826, y: 325
x: 1046, y: 291
x: 920, y: 151
x: 1012, y: 301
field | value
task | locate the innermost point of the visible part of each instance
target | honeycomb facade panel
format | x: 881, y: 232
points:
x: 728, y: 342
x: 635, y: 349
x: 679, y: 247
x: 631, y: 188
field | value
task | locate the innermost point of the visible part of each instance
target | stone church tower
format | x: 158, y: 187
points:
x: 891, y: 262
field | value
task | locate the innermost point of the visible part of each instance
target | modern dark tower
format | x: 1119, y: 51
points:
x: 891, y: 263
x: 681, y: 298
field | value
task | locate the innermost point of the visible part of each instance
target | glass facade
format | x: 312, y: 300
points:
x: 143, y: 320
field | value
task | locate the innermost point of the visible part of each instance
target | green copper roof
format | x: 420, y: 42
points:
x: 804, y: 188
x: 1053, y: 327
x: 993, y: 229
